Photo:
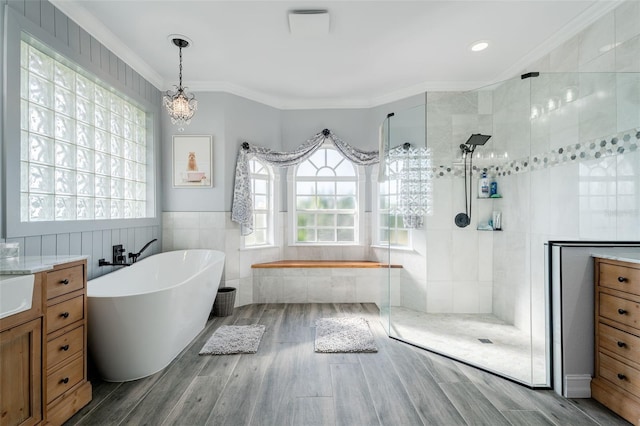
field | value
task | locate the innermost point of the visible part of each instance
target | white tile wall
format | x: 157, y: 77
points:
x: 597, y: 39
x: 628, y: 197
x: 465, y: 254
x: 325, y: 285
x: 440, y: 257
x: 413, y: 293
x: 627, y: 16
x: 565, y: 57
x: 466, y: 297
x: 563, y: 202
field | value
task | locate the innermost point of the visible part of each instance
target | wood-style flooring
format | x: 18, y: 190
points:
x: 287, y: 383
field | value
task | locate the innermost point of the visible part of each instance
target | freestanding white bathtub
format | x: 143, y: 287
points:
x: 142, y: 316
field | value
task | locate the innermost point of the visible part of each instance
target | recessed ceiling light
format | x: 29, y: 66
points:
x: 479, y: 45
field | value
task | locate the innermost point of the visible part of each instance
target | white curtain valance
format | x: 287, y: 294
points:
x: 242, y: 208
x: 414, y: 199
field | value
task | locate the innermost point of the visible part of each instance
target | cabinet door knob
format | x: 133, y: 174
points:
x: 622, y: 311
x: 66, y: 347
x: 622, y: 279
x: 65, y: 315
x: 621, y: 344
x: 621, y: 376
x: 66, y: 281
x: 66, y: 380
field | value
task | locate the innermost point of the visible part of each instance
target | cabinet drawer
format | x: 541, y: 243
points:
x: 621, y: 310
x: 620, y: 374
x: 65, y: 378
x: 624, y: 344
x: 65, y: 346
x: 65, y: 313
x: 64, y: 281
x: 621, y: 278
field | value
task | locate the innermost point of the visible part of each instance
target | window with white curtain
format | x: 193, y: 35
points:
x: 326, y: 199
x: 262, y: 186
x: 83, y: 144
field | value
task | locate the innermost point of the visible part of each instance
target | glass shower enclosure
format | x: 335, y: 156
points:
x: 479, y: 293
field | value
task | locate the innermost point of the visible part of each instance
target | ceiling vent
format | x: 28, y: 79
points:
x: 309, y: 23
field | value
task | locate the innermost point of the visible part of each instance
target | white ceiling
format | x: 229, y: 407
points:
x: 375, y: 52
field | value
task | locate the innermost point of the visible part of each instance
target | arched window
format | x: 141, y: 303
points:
x: 262, y: 194
x: 326, y: 199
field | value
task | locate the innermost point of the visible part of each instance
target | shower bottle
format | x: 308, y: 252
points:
x: 483, y: 186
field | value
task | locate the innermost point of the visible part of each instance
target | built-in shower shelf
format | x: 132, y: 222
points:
x: 488, y: 230
x: 489, y: 198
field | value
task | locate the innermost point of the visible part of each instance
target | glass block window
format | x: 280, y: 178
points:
x: 390, y: 229
x: 83, y: 146
x: 262, y: 194
x: 326, y: 199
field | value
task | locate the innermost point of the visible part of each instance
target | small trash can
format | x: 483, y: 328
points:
x: 225, y: 299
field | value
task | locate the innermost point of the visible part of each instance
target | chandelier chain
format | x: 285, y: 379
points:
x: 180, y: 69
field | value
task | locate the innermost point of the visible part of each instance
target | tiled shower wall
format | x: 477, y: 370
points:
x: 583, y: 178
x: 569, y: 173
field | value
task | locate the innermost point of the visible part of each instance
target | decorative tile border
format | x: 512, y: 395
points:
x: 623, y: 142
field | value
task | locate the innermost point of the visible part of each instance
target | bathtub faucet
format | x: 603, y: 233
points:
x: 134, y: 256
x: 118, y: 257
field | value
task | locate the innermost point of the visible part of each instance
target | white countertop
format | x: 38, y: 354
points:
x: 31, y: 264
x: 620, y: 254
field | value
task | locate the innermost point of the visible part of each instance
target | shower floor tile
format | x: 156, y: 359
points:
x: 482, y: 340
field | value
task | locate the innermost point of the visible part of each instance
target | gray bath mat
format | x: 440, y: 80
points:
x: 234, y: 339
x: 344, y: 335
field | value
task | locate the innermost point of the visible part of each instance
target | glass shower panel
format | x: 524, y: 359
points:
x: 466, y: 292
x: 405, y: 154
x: 564, y: 155
x: 382, y: 227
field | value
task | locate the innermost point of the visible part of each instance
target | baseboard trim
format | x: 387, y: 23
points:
x: 577, y: 386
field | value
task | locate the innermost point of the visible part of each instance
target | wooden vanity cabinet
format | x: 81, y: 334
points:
x: 20, y: 364
x: 616, y: 381
x: 65, y: 388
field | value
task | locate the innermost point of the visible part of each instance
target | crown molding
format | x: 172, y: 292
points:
x: 579, y: 23
x: 78, y: 13
x: 282, y: 103
x: 334, y: 103
x: 430, y: 86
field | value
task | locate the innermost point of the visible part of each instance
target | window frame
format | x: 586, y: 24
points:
x: 359, y: 220
x: 272, y: 198
x: 19, y: 28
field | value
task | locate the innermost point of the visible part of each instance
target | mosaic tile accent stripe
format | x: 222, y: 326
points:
x: 623, y: 142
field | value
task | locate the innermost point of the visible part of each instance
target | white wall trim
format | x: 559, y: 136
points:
x: 577, y: 386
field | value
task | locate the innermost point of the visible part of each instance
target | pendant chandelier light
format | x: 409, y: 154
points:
x: 180, y: 104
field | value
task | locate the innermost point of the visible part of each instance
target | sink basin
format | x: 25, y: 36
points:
x: 16, y: 294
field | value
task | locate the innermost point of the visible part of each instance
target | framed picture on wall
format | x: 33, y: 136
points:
x: 192, y: 161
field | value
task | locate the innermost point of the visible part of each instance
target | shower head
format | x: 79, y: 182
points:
x: 477, y: 139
